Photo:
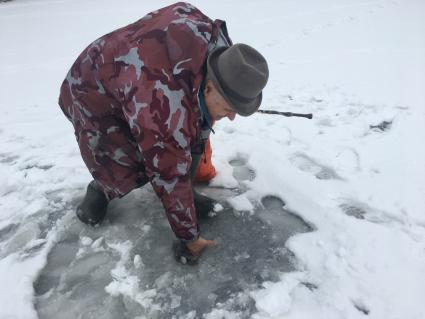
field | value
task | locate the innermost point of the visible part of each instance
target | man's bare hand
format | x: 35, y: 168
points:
x: 196, y: 247
x: 190, y: 253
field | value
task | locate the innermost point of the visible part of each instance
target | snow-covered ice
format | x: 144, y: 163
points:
x: 321, y: 218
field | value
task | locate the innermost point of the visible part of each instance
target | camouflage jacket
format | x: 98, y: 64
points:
x: 132, y: 97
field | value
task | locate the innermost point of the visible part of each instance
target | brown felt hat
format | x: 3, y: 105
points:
x: 239, y: 73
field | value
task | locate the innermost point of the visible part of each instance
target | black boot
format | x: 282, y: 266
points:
x: 203, y: 205
x: 93, y: 208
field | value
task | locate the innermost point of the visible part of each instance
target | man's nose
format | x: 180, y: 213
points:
x: 231, y: 116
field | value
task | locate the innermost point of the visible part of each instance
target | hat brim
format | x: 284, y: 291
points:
x: 243, y: 108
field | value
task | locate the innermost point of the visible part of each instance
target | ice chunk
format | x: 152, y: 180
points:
x: 218, y: 208
x: 137, y: 261
x: 241, y: 203
x: 86, y: 241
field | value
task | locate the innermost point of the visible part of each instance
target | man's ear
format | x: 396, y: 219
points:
x: 209, y: 87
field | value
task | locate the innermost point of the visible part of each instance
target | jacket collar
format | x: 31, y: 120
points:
x: 206, y: 117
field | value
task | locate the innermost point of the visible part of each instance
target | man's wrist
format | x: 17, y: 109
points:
x: 188, y: 241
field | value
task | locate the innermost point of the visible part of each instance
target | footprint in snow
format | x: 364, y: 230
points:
x: 307, y: 164
x: 353, y: 211
x: 241, y: 171
x: 8, y: 158
x: 362, y: 211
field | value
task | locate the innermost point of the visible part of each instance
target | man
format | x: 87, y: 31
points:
x: 142, y: 100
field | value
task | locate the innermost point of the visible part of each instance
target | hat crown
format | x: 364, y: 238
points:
x: 243, y: 70
x: 239, y: 73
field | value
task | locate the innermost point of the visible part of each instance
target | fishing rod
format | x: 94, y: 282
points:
x: 289, y: 114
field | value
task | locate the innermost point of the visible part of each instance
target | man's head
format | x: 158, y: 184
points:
x: 235, y: 80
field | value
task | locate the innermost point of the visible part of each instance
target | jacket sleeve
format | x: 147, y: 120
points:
x: 159, y: 123
x: 167, y: 161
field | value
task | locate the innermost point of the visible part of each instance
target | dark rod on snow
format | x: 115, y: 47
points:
x: 309, y: 116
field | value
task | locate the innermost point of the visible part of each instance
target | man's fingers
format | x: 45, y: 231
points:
x: 206, y: 242
x: 211, y: 243
x: 200, y: 244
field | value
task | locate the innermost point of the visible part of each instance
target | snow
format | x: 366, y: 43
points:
x: 241, y: 203
x: 360, y: 188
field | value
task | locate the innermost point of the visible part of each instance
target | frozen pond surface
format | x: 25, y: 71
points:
x: 125, y: 267
x: 354, y: 171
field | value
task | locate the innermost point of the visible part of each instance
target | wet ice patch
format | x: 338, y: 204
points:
x: 274, y: 213
x: 125, y: 268
x: 75, y: 282
x: 58, y: 259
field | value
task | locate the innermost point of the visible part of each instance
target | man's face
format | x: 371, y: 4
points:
x: 217, y: 106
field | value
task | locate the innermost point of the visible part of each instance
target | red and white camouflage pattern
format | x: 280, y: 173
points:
x: 132, y: 97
